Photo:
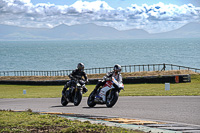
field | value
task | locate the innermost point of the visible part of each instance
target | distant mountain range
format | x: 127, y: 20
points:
x: 91, y: 32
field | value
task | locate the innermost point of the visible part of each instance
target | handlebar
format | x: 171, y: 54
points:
x: 82, y: 81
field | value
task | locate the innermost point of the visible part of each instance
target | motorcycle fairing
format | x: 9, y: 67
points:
x: 108, y: 85
x: 103, y: 91
x: 120, y: 85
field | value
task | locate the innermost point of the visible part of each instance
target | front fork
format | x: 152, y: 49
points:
x: 110, y: 93
x: 76, y: 91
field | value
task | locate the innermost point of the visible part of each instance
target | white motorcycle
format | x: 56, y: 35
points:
x: 108, y: 94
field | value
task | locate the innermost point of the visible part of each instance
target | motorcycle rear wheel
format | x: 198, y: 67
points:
x: 64, y: 102
x: 90, y: 101
x: 110, y: 102
x: 77, y: 98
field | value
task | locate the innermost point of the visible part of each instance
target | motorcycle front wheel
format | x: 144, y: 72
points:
x: 90, y: 101
x: 77, y: 98
x: 110, y: 101
x: 64, y: 102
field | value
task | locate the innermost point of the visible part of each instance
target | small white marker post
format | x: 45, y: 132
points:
x: 167, y: 86
x: 24, y: 91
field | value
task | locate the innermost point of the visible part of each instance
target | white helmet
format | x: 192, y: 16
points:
x: 117, y: 68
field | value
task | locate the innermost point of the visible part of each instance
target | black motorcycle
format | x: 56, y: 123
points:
x: 74, y: 93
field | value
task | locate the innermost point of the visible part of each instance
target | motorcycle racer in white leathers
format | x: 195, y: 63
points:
x: 115, y: 73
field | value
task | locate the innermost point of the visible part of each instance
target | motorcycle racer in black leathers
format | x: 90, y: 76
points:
x: 77, y: 74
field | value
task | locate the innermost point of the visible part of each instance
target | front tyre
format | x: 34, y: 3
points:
x: 64, y: 102
x: 110, y: 101
x: 90, y: 101
x: 77, y: 98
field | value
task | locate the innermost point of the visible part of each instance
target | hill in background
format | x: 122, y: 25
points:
x: 92, y: 32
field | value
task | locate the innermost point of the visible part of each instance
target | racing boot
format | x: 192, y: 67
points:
x: 95, y: 92
x: 84, y: 90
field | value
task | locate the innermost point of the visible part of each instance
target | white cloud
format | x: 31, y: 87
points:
x: 91, y: 6
x: 153, y: 18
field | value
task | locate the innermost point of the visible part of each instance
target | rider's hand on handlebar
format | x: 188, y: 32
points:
x: 87, y: 81
x: 108, y: 79
x: 105, y: 78
x: 78, y: 77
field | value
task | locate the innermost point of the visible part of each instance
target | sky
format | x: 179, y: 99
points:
x: 154, y: 16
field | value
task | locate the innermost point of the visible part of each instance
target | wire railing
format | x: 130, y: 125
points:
x: 125, y: 69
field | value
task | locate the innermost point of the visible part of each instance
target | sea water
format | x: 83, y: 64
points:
x: 65, y: 55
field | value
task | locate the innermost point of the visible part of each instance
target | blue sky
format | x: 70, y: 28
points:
x: 153, y: 16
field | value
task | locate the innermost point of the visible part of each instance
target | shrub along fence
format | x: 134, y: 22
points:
x: 126, y: 68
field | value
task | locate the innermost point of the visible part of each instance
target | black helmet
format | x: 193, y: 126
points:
x: 80, y: 66
x: 117, y: 68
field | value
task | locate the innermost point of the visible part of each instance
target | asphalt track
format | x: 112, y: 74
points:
x: 181, y: 109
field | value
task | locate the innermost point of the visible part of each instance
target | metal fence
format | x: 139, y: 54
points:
x: 127, y: 68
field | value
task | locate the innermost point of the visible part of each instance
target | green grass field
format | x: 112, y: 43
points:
x: 34, y: 122
x: 179, y: 89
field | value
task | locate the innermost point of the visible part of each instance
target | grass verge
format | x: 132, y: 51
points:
x: 34, y: 122
x: 176, y: 89
x: 179, y: 89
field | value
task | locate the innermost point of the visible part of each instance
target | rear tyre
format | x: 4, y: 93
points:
x: 77, y: 98
x: 110, y: 102
x: 90, y: 101
x: 64, y: 102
